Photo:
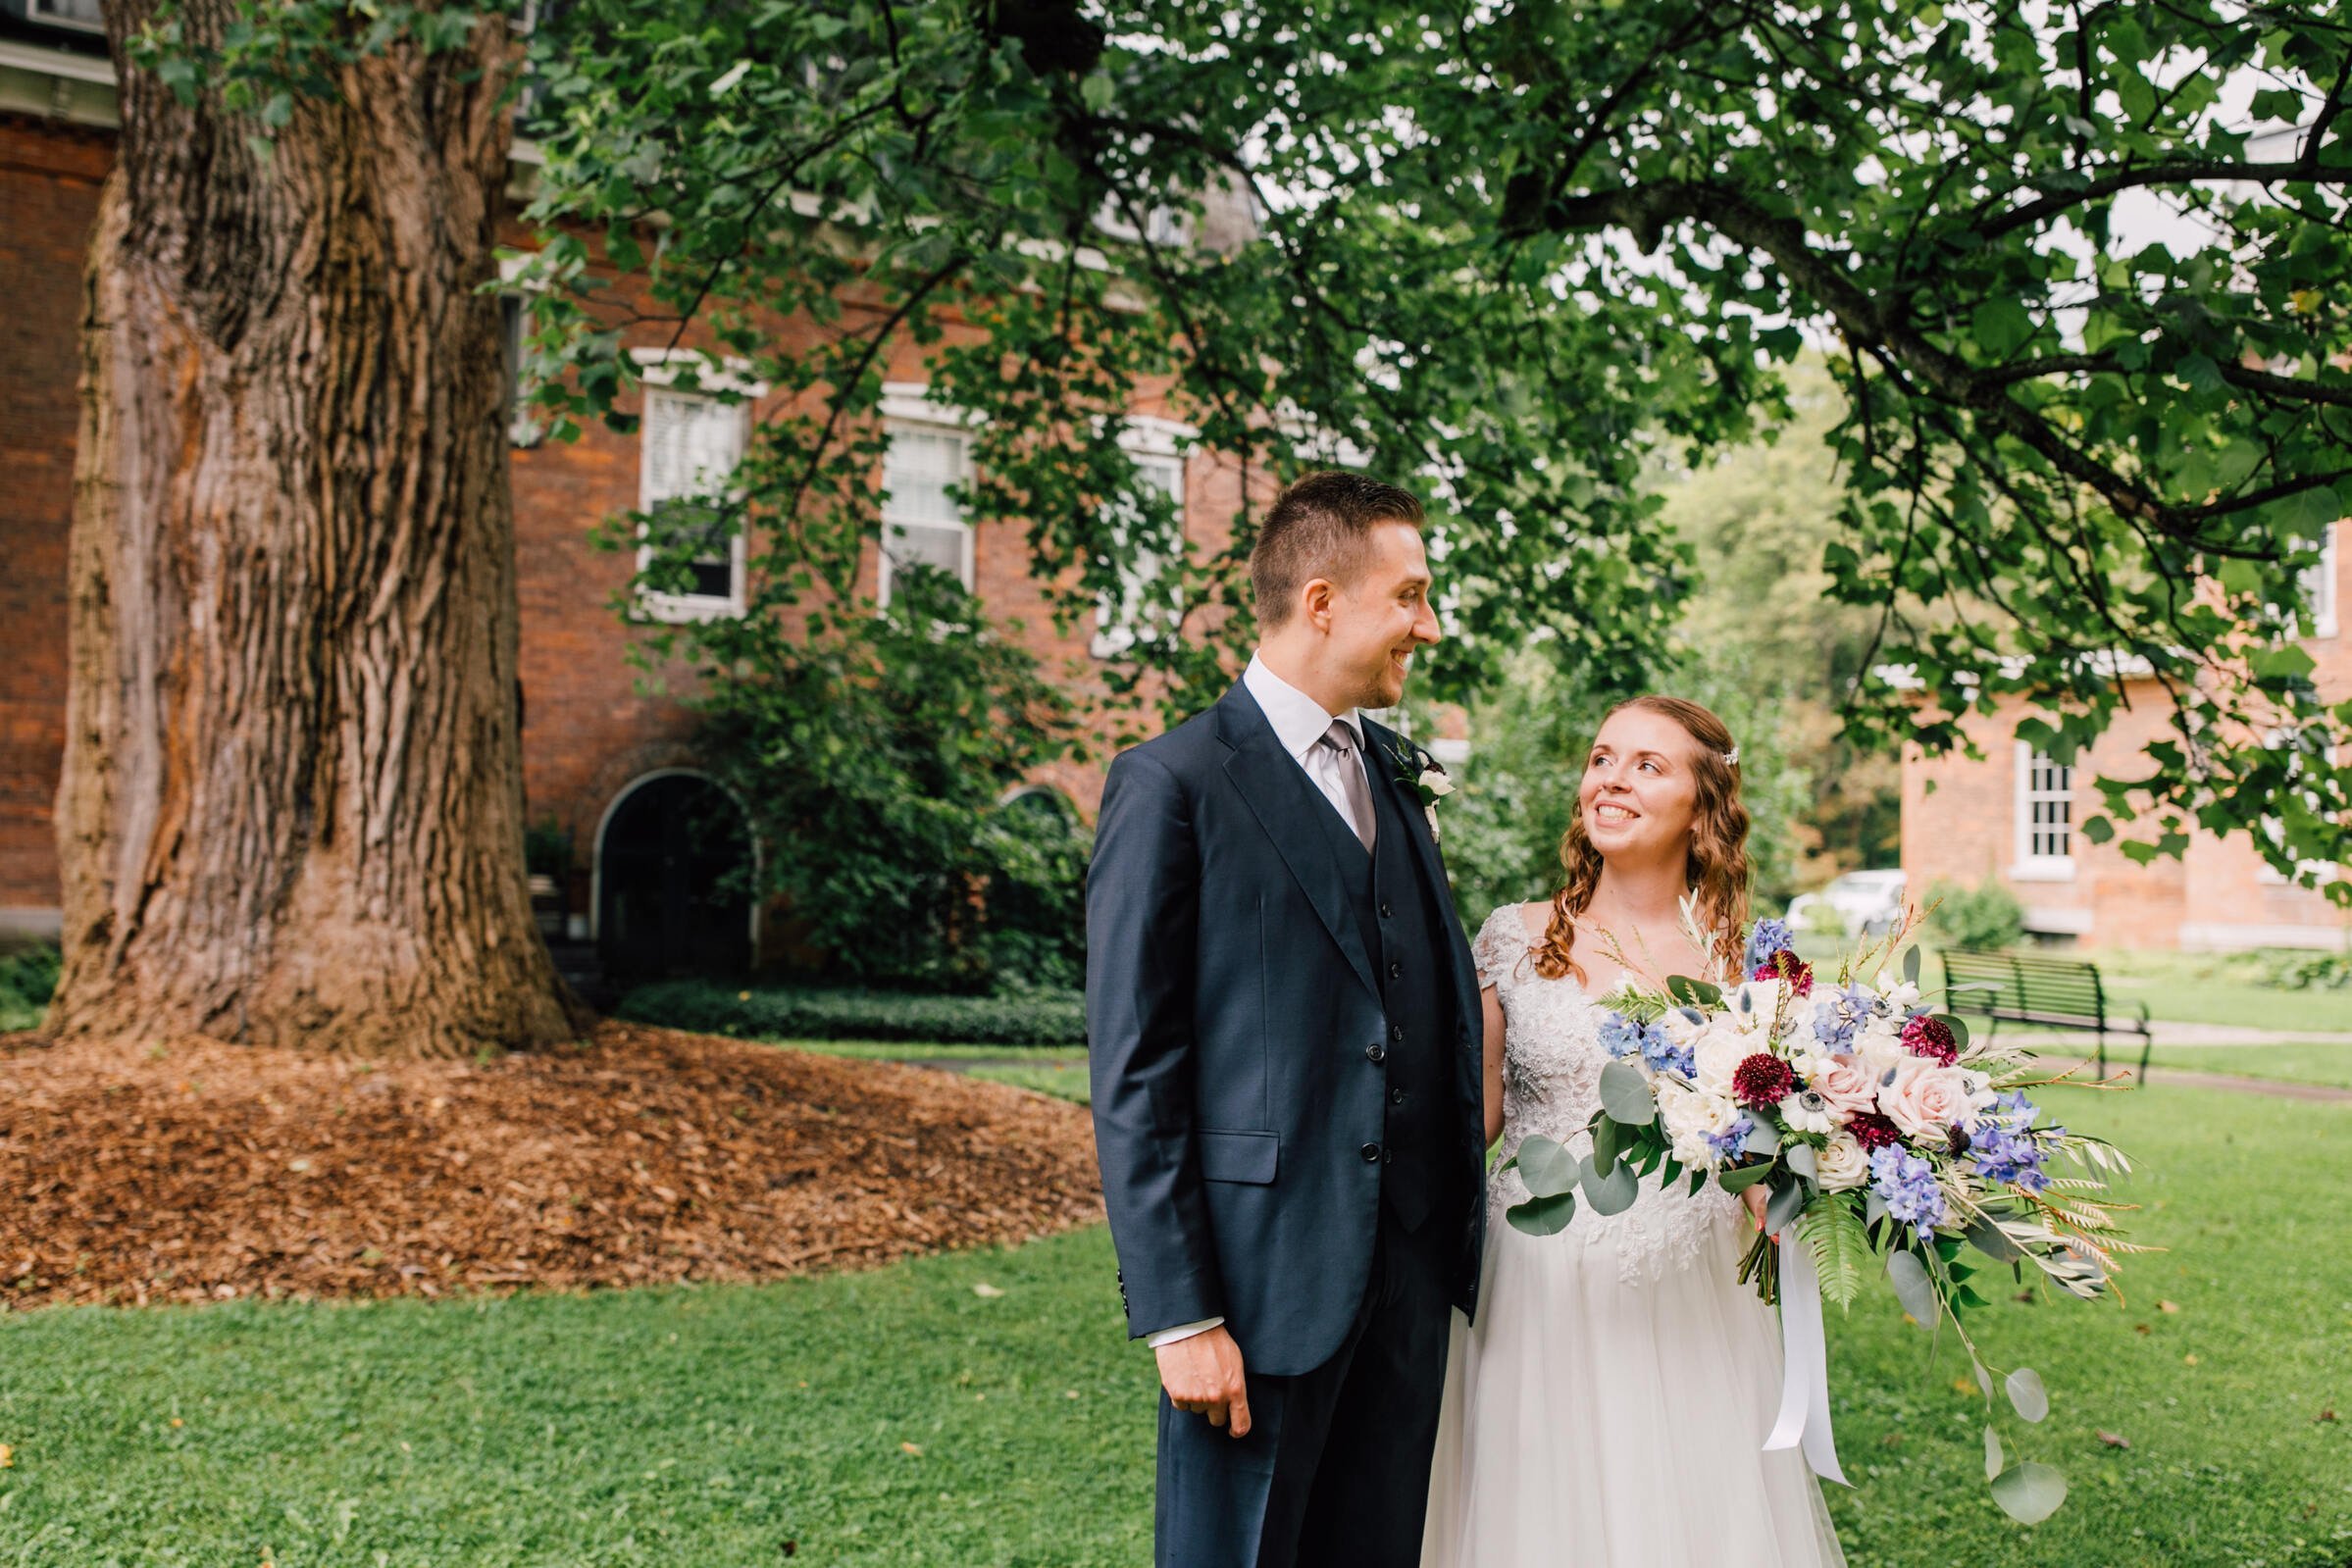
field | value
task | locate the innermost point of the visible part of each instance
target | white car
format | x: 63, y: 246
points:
x: 1866, y: 902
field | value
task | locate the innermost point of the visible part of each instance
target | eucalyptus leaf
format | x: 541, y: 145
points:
x: 1804, y: 1160
x: 1605, y: 1144
x: 1543, y: 1216
x: 1610, y: 1194
x: 2027, y: 1396
x: 1911, y: 965
x: 1992, y: 1454
x: 1913, y: 1287
x: 1958, y: 1028
x: 1993, y: 1241
x: 2029, y: 1492
x: 1626, y: 1095
x: 1873, y: 1209
x: 1786, y: 1203
x: 1762, y: 1139
x: 1547, y: 1167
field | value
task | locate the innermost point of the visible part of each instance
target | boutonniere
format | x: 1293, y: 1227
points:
x: 1427, y: 779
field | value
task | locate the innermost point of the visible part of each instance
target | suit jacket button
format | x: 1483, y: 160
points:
x: 1371, y: 1153
x: 1375, y: 1054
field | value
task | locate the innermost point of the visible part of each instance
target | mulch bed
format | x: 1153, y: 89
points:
x: 199, y: 1170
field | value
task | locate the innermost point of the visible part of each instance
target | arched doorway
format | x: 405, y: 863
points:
x: 673, y: 867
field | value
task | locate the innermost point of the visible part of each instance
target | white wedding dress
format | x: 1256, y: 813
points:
x: 1608, y: 1410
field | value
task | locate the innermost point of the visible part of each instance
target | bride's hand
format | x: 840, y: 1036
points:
x: 1754, y: 1198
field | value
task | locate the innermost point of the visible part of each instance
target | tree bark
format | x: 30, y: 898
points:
x: 292, y: 804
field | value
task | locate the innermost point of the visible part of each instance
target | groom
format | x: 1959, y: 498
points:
x: 1281, y: 1014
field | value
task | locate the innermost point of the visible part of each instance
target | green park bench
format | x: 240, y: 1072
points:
x: 2051, y: 992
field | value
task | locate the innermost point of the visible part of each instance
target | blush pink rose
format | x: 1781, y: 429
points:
x: 1926, y: 1100
x: 1847, y: 1085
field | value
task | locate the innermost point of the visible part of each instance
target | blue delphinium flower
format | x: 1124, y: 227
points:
x: 1728, y: 1142
x: 1768, y: 937
x: 1620, y: 1036
x: 1664, y: 1056
x: 2003, y: 1147
x: 1834, y: 1024
x: 1908, y: 1184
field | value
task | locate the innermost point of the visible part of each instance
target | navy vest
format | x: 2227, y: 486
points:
x: 1405, y: 935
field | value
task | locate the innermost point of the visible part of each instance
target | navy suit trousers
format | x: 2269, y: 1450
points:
x: 1336, y: 1467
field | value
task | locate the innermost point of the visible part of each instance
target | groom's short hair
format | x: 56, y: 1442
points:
x: 1320, y: 527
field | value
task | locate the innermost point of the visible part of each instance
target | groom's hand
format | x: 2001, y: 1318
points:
x: 1202, y: 1374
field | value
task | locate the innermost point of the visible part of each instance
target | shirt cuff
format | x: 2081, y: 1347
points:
x: 1182, y: 1330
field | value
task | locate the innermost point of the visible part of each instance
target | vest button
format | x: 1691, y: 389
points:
x: 1371, y: 1153
x: 1395, y: 1032
x: 1375, y: 1054
x: 1396, y: 1096
x: 1396, y: 971
x: 1388, y: 911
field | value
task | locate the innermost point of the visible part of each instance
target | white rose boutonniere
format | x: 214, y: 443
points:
x: 1427, y: 779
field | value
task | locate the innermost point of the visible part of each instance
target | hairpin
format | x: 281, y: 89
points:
x: 1731, y: 758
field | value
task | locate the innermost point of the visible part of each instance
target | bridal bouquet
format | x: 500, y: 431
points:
x: 1887, y: 1139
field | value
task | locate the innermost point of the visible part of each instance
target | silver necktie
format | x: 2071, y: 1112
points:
x: 1341, y: 761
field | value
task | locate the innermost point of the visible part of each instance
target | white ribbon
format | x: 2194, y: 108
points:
x: 1805, y: 1367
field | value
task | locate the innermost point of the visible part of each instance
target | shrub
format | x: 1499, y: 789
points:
x: 1987, y: 915
x: 28, y: 979
x: 2307, y: 971
x: 1029, y: 1018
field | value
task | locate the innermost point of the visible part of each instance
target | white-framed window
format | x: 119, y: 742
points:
x: 2318, y: 872
x: 922, y: 519
x: 2045, y: 817
x: 1141, y: 609
x: 690, y: 444
x: 84, y: 13
x: 2318, y: 583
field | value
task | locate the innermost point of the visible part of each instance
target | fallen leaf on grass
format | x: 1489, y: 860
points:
x: 987, y: 1291
x: 8, y: 1456
x: 2142, y: 1328
x: 913, y: 1448
x: 2189, y: 1360
x: 2328, y: 1414
x: 2168, y: 1306
x: 2113, y: 1440
x: 1965, y: 1387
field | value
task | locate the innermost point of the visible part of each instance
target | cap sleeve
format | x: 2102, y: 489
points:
x: 1501, y: 944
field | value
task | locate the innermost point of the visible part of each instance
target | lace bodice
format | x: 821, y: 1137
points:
x: 1552, y: 1061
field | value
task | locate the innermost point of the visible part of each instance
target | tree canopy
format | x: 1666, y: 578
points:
x: 1512, y: 254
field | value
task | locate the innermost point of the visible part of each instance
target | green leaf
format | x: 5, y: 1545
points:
x: 1543, y: 1216
x: 1841, y: 1248
x: 2000, y: 327
x: 1785, y: 1204
x: 1626, y: 1095
x: 2305, y: 514
x: 2027, y: 1396
x: 1096, y: 91
x: 1605, y: 1144
x: 1959, y: 1029
x: 1612, y: 1194
x: 1698, y: 993
x: 1743, y: 1177
x: 1992, y: 1454
x: 2030, y: 1492
x: 1994, y: 1243
x: 1911, y: 964
x: 1912, y: 1287
x: 1547, y: 1167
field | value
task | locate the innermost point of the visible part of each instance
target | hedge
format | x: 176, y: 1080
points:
x: 1044, y: 1018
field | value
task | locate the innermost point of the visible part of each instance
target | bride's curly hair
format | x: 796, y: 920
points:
x: 1717, y: 864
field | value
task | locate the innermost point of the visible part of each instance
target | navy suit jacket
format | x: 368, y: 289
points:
x: 1231, y: 1017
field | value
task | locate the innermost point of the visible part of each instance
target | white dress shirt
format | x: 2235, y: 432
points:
x: 1299, y: 725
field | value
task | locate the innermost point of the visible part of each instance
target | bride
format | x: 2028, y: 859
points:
x: 1610, y: 1407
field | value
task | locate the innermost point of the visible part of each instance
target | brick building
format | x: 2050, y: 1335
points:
x: 605, y: 764
x: 2015, y: 818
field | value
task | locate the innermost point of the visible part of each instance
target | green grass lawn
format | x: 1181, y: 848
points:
x: 713, y: 1425
x: 2331, y: 1065
x: 1063, y: 1080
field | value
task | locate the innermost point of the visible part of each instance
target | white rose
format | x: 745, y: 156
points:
x: 1690, y: 1116
x: 1755, y: 1003
x: 1434, y: 780
x: 1716, y: 1053
x: 1901, y: 997
x: 1880, y: 1049
x: 1843, y: 1165
x: 1926, y: 1100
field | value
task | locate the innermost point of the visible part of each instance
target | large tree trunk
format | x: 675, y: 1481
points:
x: 291, y: 807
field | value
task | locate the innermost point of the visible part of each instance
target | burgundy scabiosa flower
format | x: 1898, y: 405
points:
x: 1786, y: 965
x: 1933, y: 1039
x: 1873, y: 1131
x: 1763, y: 1080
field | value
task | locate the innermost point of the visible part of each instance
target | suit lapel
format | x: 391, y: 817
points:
x: 1285, y: 802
